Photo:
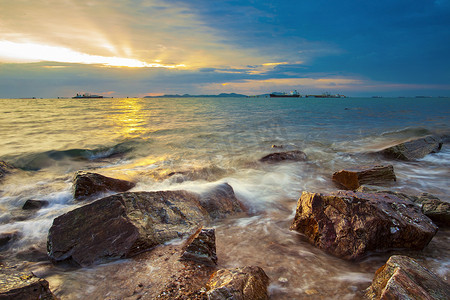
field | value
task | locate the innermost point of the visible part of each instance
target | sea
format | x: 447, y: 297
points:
x: 208, y: 141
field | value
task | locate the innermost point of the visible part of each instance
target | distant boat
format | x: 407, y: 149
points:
x: 292, y: 94
x: 86, y: 95
x: 326, y: 95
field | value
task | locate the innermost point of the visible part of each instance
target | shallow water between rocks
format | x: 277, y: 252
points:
x: 213, y: 140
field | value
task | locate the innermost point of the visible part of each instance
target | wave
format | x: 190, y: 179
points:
x: 37, y: 161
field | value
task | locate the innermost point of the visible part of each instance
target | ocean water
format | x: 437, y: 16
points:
x: 216, y: 140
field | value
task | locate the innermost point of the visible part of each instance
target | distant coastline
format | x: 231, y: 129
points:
x: 222, y: 95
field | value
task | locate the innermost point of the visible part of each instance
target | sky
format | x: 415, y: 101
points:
x: 134, y: 48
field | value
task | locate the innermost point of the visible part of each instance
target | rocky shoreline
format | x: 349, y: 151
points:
x: 350, y: 224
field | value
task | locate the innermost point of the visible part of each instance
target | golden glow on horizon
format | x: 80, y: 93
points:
x: 31, y: 52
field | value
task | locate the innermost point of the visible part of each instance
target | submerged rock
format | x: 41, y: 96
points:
x: 414, y: 149
x: 350, y: 224
x: 351, y: 179
x: 34, y: 204
x: 22, y: 285
x: 87, y: 184
x: 403, y: 278
x: 123, y: 225
x: 295, y: 155
x: 220, y: 201
x: 201, y: 247
x: 6, y: 238
x: 247, y: 283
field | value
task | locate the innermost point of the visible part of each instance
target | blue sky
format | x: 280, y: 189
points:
x: 52, y: 48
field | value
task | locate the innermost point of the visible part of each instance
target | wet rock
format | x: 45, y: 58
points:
x: 123, y: 225
x: 34, y: 204
x: 247, y: 283
x: 201, y: 247
x: 434, y: 208
x: 403, y: 278
x: 86, y: 184
x: 6, y: 238
x: 351, y: 179
x: 295, y: 155
x: 22, y: 285
x: 415, y: 149
x: 5, y: 168
x: 220, y: 201
x: 350, y: 224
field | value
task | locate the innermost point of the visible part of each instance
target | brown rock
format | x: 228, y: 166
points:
x: 86, y: 184
x: 201, y: 247
x: 247, y: 283
x: 403, y: 278
x: 414, y: 149
x: 123, y: 225
x: 350, y: 224
x: 8, y: 237
x: 295, y: 155
x: 21, y: 285
x: 351, y: 179
x: 434, y: 208
x: 220, y: 201
x: 34, y: 204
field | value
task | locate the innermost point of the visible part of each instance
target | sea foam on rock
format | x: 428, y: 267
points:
x: 351, y: 179
x: 414, y: 149
x: 403, y: 278
x: 350, y: 224
x: 87, y: 184
x: 125, y: 224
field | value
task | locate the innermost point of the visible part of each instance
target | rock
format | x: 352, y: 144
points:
x: 86, y: 184
x: 415, y: 149
x: 22, y: 285
x: 247, y: 283
x: 434, y: 208
x: 201, y: 247
x: 123, y: 225
x: 350, y: 224
x: 6, y: 238
x: 220, y: 201
x: 5, y: 168
x: 351, y: 179
x: 295, y: 155
x: 403, y: 278
x: 34, y: 204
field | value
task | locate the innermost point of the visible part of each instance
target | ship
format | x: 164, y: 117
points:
x: 86, y: 95
x: 326, y: 95
x: 292, y: 94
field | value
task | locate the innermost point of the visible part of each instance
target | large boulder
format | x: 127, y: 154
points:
x: 351, y: 179
x: 247, y: 283
x: 295, y: 155
x: 123, y: 225
x: 403, y: 278
x: 87, y: 184
x: 350, y: 224
x: 22, y: 285
x: 414, y: 149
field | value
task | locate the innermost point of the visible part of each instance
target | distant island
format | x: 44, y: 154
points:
x: 198, y: 96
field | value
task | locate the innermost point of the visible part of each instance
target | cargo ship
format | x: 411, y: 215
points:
x: 86, y: 95
x: 292, y: 94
